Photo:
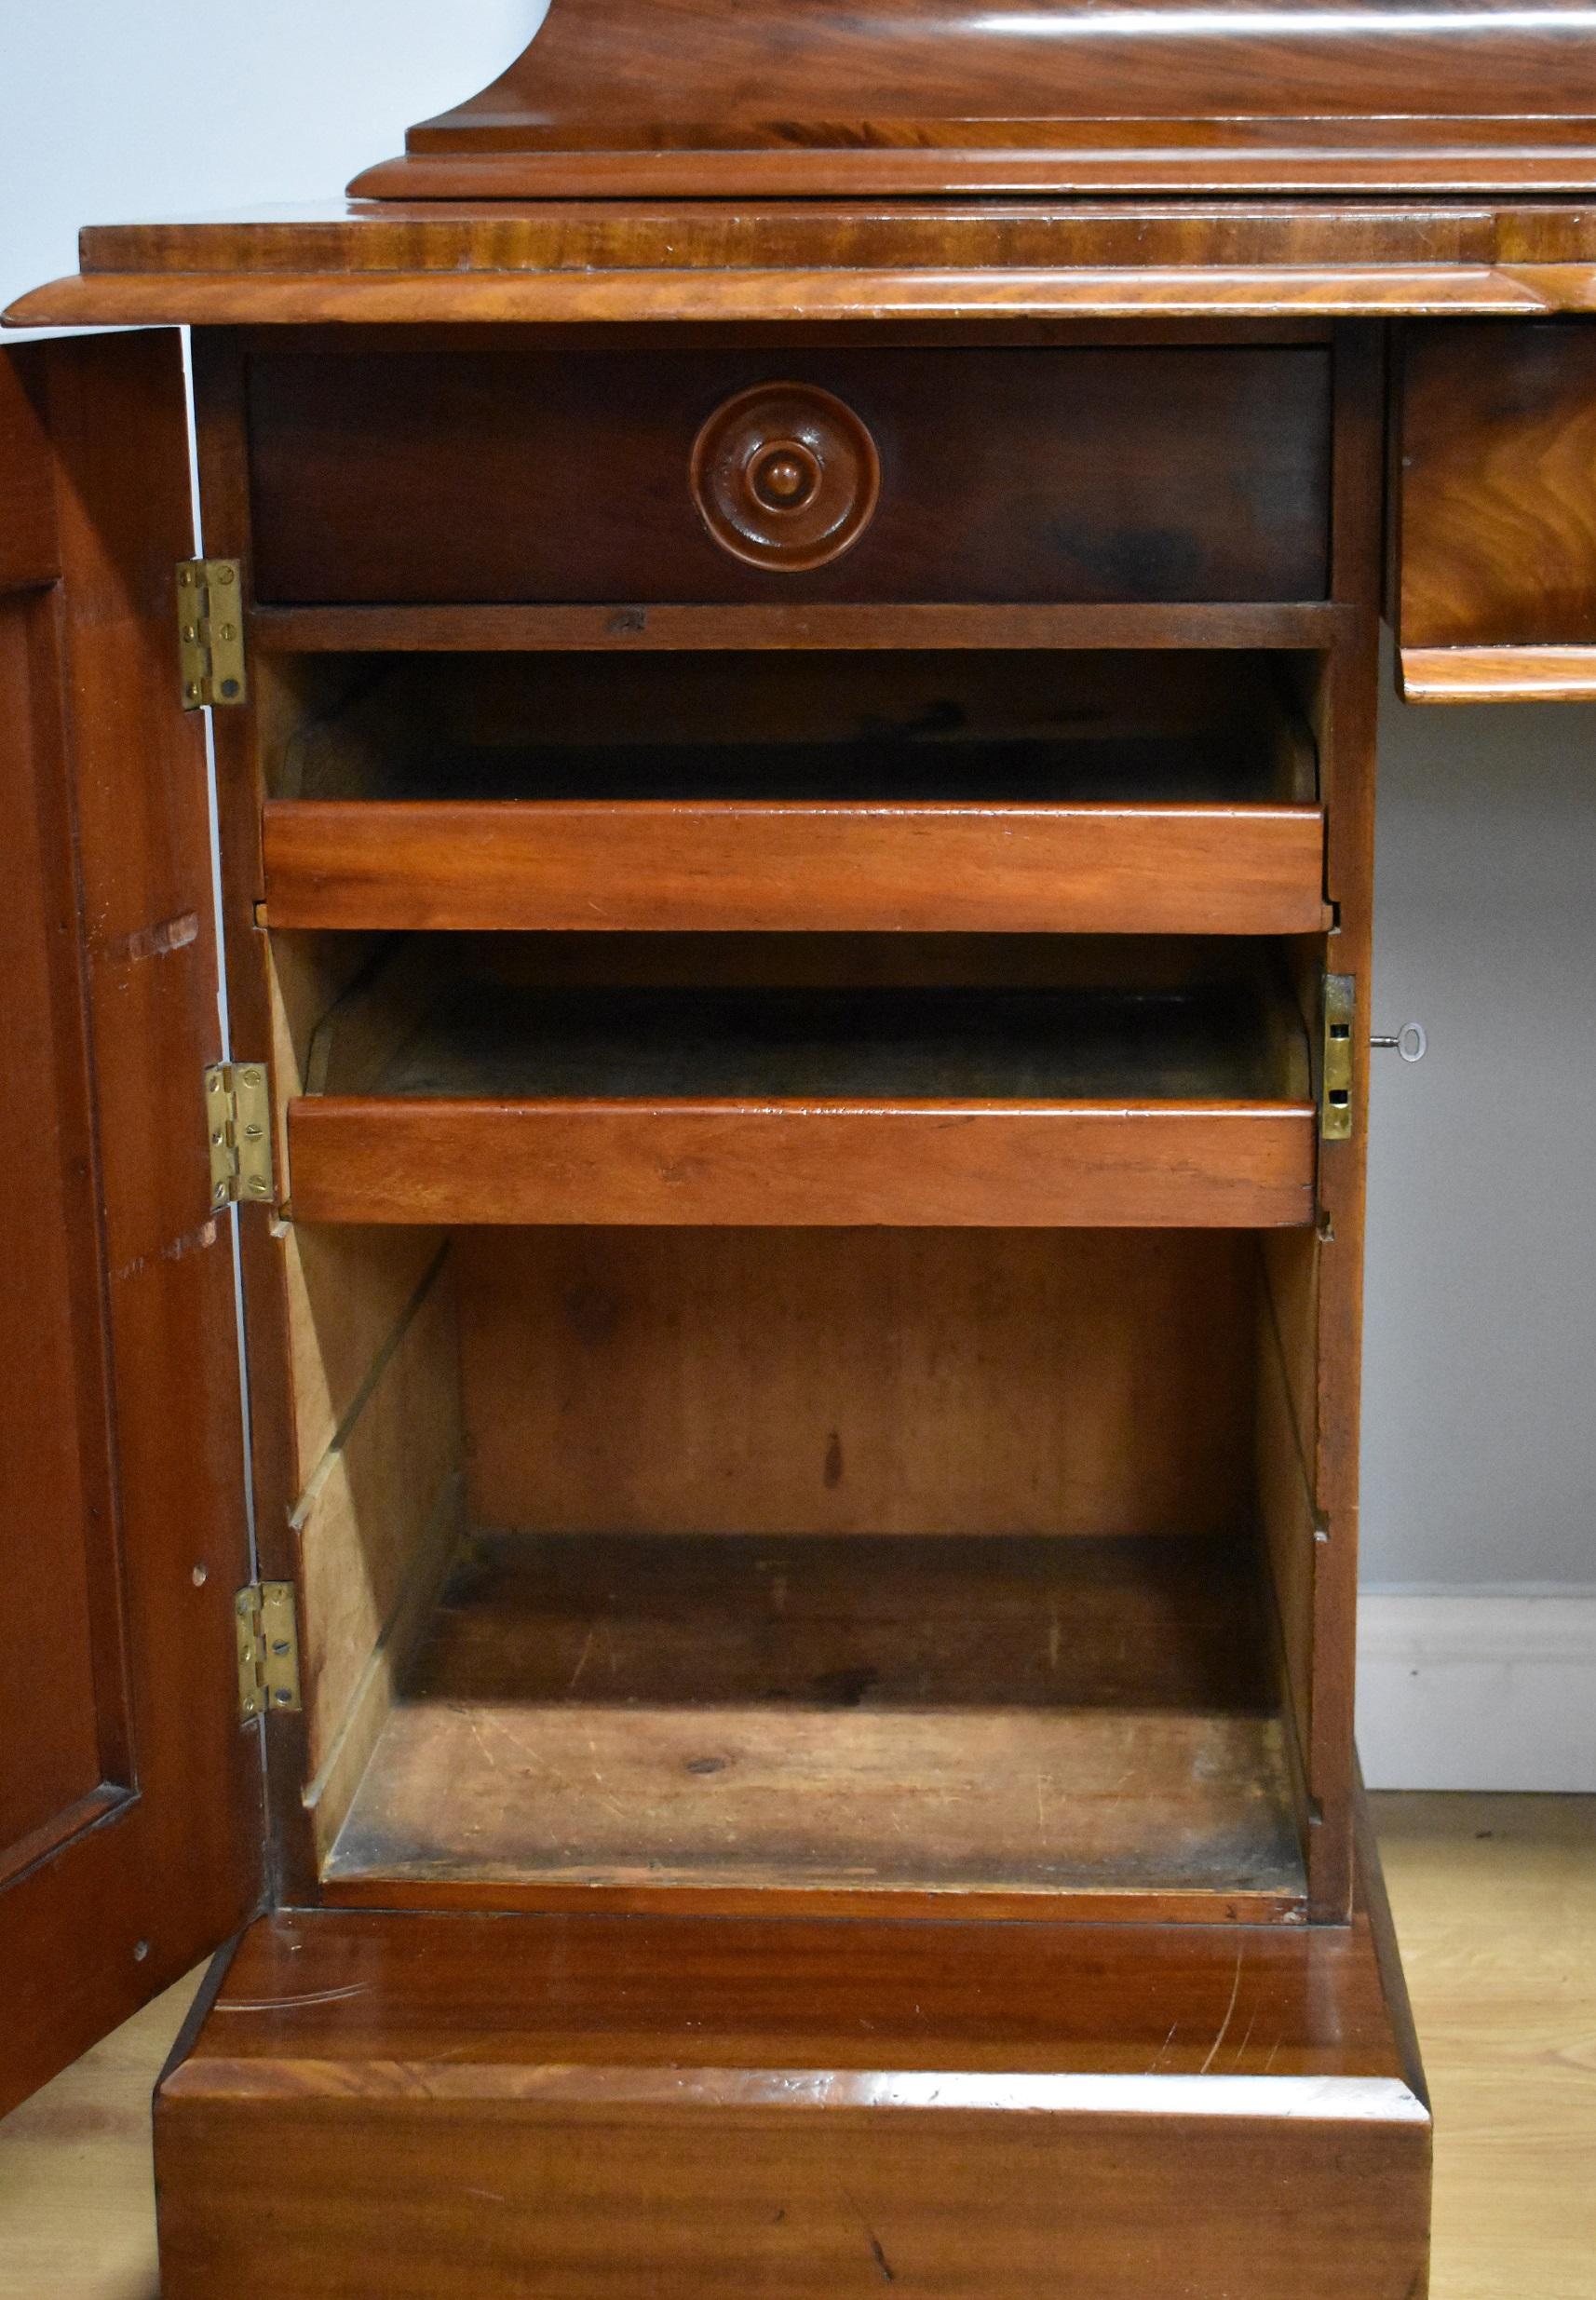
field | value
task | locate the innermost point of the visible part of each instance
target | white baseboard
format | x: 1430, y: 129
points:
x: 1477, y: 1689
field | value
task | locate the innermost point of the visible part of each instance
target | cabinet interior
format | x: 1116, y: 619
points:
x: 1167, y: 727
x: 938, y: 1561
x: 967, y: 1564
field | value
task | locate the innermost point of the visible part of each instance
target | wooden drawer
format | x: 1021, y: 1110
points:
x: 1132, y: 473
x: 576, y: 867
x: 1185, y: 1107
x: 1493, y: 589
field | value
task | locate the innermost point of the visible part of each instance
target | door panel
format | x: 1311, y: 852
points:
x: 129, y: 1824
x: 57, y: 1746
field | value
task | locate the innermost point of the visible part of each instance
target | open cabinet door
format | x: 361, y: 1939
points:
x: 129, y: 1793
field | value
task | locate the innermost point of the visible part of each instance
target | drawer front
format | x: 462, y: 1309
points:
x: 1127, y: 473
x: 1493, y: 595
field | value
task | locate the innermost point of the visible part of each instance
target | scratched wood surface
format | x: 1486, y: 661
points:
x: 954, y: 1716
x: 479, y: 2107
x: 1495, y: 1906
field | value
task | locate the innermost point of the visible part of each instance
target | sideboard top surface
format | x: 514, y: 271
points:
x: 798, y: 160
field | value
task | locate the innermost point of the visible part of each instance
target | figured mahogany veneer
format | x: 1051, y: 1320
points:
x: 1495, y: 541
x: 689, y: 97
x: 840, y: 261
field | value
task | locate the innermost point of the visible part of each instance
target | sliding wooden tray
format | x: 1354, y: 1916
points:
x: 675, y: 865
x: 1182, y: 1107
x: 916, y: 793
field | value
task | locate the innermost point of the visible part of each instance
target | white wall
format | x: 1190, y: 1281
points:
x: 1480, y: 1392
x: 117, y: 110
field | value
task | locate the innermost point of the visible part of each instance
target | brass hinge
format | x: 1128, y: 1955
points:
x: 238, y: 1124
x: 211, y: 631
x: 1335, y: 1057
x: 268, y: 1621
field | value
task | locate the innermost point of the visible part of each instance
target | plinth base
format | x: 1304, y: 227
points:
x: 676, y: 2108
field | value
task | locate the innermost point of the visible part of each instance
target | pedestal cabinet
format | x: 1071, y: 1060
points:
x: 761, y: 1664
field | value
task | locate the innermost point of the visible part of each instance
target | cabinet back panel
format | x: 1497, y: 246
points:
x: 863, y: 1381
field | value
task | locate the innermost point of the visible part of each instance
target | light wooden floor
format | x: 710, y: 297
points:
x: 1495, y: 1905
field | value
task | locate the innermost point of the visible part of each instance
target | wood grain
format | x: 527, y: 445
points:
x: 686, y: 73
x: 1498, y: 674
x: 866, y: 1382
x: 1329, y: 1304
x: 121, y: 1342
x: 667, y: 866
x: 1496, y: 1901
x: 361, y: 1522
x: 76, y: 2186
x: 1052, y: 475
x: 630, y: 628
x: 1115, y: 234
x: 951, y: 1718
x: 1496, y: 536
x: 1492, y: 1895
x: 226, y: 299
x: 371, y: 1158
x: 487, y: 2104
x: 55, y: 1576
x: 688, y: 97
x: 742, y: 1101
x: 30, y: 550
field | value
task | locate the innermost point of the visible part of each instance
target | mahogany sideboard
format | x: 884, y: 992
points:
x: 785, y: 610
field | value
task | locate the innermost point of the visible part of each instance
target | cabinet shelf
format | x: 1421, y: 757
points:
x: 1181, y: 1106
x: 980, y: 1719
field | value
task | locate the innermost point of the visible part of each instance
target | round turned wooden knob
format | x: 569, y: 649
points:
x: 785, y: 476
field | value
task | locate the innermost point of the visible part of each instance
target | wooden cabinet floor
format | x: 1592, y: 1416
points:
x: 1494, y: 1901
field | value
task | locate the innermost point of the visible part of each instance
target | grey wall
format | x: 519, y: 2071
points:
x: 1479, y: 1367
x: 1481, y: 1434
